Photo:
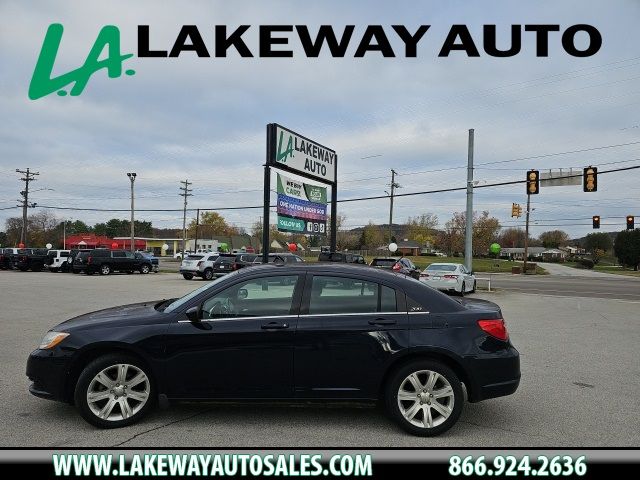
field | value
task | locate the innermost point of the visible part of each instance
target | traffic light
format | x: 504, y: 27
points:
x: 533, y: 182
x: 590, y: 180
x: 630, y: 222
x: 596, y: 221
x: 516, y: 210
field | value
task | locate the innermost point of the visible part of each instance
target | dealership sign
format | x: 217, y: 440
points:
x: 295, y: 153
x: 302, y: 208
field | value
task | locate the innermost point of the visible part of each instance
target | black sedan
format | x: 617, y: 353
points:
x: 283, y: 332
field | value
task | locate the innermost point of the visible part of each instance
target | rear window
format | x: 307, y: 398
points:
x: 64, y: 254
x: 383, y: 262
x: 194, y: 257
x: 443, y: 268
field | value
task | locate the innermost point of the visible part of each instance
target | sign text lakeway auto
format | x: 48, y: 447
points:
x: 580, y: 40
x: 305, y: 156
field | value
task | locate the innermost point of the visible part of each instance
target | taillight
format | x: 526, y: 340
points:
x: 89, y: 259
x: 496, y: 328
x: 396, y: 267
x: 450, y: 276
x: 235, y: 266
x: 199, y: 263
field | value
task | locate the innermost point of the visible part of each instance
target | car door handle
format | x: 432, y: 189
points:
x: 274, y: 326
x: 382, y: 321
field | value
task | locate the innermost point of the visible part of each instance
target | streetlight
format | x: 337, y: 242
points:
x: 132, y: 177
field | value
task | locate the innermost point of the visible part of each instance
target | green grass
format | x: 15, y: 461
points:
x: 608, y: 268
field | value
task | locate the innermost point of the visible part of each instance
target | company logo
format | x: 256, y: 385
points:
x: 316, y: 194
x: 281, y: 155
x: 42, y: 84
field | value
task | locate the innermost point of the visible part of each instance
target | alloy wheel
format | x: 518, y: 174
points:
x: 118, y: 392
x: 425, y: 399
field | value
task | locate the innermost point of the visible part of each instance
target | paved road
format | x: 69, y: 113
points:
x: 579, y: 388
x: 569, y: 282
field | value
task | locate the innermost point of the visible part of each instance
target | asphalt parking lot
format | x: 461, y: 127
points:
x: 580, y: 384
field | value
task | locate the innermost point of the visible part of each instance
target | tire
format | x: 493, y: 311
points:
x: 446, y: 382
x: 145, y: 269
x: 109, y: 369
x: 187, y: 276
x: 208, y: 274
x: 105, y: 269
x: 473, y: 290
x: 54, y: 270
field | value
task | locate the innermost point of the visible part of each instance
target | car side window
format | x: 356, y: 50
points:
x: 341, y: 295
x: 130, y: 255
x: 259, y: 297
x: 118, y: 254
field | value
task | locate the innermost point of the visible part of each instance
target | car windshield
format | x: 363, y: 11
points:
x: 182, y: 300
x: 225, y: 259
x: 384, y: 262
x: 444, y: 268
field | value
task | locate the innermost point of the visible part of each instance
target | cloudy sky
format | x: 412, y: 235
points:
x: 203, y: 119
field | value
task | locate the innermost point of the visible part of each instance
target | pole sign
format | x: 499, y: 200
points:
x: 297, y: 154
x: 302, y: 208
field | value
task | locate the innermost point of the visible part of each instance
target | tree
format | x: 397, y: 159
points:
x: 452, y: 237
x: 553, y: 238
x: 122, y: 228
x: 627, y: 248
x: 422, y: 228
x: 372, y: 237
x: 485, y: 232
x: 211, y: 223
x: 597, y: 241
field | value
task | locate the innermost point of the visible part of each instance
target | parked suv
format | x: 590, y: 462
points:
x: 106, y: 261
x: 155, y: 263
x: 57, y: 260
x: 398, y: 265
x: 73, y: 253
x: 341, y: 257
x: 224, y: 264
x: 198, y: 265
x: 244, y: 260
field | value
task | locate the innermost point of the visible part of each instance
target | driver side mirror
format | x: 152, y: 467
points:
x: 242, y: 294
x: 193, y: 314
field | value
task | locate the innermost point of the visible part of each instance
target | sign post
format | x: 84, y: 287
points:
x: 294, y: 153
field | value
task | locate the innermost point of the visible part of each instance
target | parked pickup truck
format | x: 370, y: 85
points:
x: 7, y: 257
x: 33, y: 259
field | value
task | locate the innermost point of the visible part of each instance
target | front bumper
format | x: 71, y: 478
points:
x: 48, y: 373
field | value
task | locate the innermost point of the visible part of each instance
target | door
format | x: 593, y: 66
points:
x: 348, y: 330
x: 243, y: 345
x: 130, y: 262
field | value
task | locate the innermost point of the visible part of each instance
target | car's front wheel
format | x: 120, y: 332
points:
x: 187, y: 276
x: 145, y: 269
x: 208, y: 274
x: 114, y: 391
x: 105, y: 270
x: 424, y: 397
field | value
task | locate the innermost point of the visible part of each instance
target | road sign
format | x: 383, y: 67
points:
x: 297, y: 154
x: 561, y: 177
x: 296, y: 212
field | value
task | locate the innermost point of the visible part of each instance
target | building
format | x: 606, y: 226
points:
x: 151, y: 244
x: 409, y: 247
x: 540, y: 253
x: 91, y: 240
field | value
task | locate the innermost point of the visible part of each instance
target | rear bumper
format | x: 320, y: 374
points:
x: 493, y: 375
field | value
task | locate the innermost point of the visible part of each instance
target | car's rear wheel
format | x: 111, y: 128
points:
x: 105, y: 270
x: 145, y: 269
x: 208, y: 274
x: 473, y: 290
x: 424, y: 397
x: 114, y: 391
x: 187, y: 276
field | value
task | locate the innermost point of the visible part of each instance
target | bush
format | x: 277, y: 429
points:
x: 586, y: 263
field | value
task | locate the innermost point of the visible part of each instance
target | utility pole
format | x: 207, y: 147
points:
x: 28, y: 177
x: 195, y: 242
x: 132, y: 177
x: 468, y: 237
x: 393, y: 186
x: 526, y: 234
x: 186, y: 192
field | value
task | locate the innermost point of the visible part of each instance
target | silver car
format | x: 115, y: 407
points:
x: 453, y: 277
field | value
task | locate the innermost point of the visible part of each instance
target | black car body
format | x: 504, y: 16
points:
x: 105, y: 261
x: 146, y: 256
x: 343, y: 257
x: 33, y: 259
x: 224, y: 264
x: 302, y: 332
x: 243, y: 260
x: 399, y: 265
x: 7, y: 257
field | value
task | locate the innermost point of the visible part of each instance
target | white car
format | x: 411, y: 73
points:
x: 452, y: 277
x: 198, y: 265
x: 58, y: 260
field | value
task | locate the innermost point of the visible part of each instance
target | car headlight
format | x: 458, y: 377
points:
x: 51, y: 339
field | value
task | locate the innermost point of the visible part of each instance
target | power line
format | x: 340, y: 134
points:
x: 29, y: 176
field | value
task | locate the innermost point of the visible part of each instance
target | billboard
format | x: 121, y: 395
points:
x: 298, y: 154
x: 302, y: 208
